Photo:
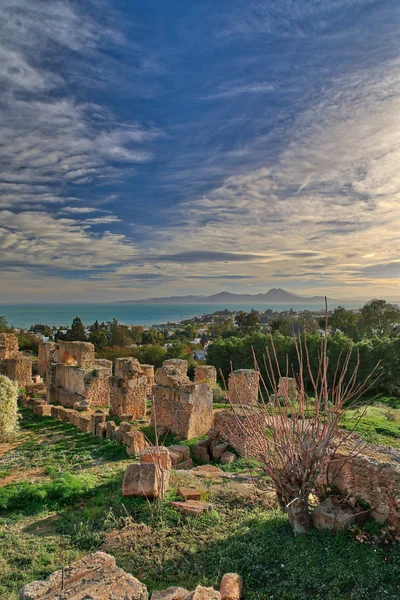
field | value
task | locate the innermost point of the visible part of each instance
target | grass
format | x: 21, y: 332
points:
x: 74, y: 505
x: 377, y: 424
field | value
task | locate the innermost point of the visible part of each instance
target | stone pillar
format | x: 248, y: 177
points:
x: 243, y: 386
x: 287, y: 389
x: 206, y: 374
x: 129, y: 389
x: 180, y: 406
x: 148, y: 371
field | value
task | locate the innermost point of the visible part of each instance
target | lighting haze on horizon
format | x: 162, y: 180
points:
x: 189, y: 147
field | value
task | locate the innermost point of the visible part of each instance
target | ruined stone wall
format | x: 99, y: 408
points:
x: 78, y: 354
x: 373, y: 477
x: 19, y: 368
x: 148, y: 371
x: 287, y: 389
x: 46, y: 354
x: 98, y: 384
x: 243, y: 386
x: 8, y: 345
x: 13, y: 363
x: 129, y: 389
x: 206, y: 374
x: 183, y: 407
x: 228, y: 429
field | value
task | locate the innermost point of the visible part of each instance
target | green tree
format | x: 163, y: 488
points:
x: 380, y: 318
x: 3, y: 324
x: 247, y: 322
x: 346, y: 321
x: 119, y: 334
x: 152, y: 336
x: 136, y: 334
x: 77, y: 331
x: 97, y: 337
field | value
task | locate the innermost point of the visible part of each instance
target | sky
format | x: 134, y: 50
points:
x: 193, y: 146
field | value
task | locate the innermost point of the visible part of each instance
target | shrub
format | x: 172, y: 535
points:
x: 8, y: 407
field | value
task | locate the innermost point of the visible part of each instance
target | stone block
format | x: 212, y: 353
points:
x: 135, y: 442
x: 203, y: 593
x: 101, y: 430
x: 185, y: 465
x: 208, y: 471
x: 146, y: 479
x: 96, y: 419
x: 125, y: 427
x: 328, y: 515
x: 228, y: 457
x: 171, y: 593
x: 231, y: 587
x: 200, y: 453
x: 184, y: 450
x: 84, y: 423
x: 110, y: 430
x: 42, y: 410
x: 94, y: 576
x: 243, y: 386
x: 192, y: 508
x: 119, y: 436
x: 191, y: 493
x: 157, y: 455
x: 219, y: 449
x: 206, y: 374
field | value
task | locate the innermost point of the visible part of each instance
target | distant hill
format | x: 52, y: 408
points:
x: 274, y: 296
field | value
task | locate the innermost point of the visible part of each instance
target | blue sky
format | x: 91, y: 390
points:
x: 163, y: 148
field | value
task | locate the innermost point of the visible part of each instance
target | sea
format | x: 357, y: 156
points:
x: 24, y: 315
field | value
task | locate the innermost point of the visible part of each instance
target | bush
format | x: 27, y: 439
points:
x: 8, y: 407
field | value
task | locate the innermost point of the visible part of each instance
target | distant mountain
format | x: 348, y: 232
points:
x: 274, y: 296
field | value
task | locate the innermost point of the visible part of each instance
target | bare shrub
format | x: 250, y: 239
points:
x: 8, y: 407
x: 295, y: 441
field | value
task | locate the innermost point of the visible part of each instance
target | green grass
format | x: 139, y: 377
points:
x: 76, y: 507
x: 379, y: 424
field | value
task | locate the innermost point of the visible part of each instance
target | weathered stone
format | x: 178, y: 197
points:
x: 184, y: 450
x: 110, y: 430
x: 135, y: 442
x: 192, y: 508
x: 96, y: 419
x: 101, y: 430
x: 208, y: 471
x: 206, y: 374
x: 94, y: 577
x: 180, y: 406
x: 335, y: 518
x: 119, y: 436
x: 212, y: 434
x: 42, y: 410
x: 186, y: 464
x: 203, y: 593
x: 228, y: 458
x: 191, y: 493
x: 129, y: 389
x: 158, y: 455
x: 287, y: 389
x: 8, y: 345
x: 243, y: 386
x: 125, y: 427
x: 219, y: 449
x: 176, y: 457
x: 84, y: 423
x: 171, y: 593
x: 231, y: 587
x: 146, y: 479
x: 200, y: 453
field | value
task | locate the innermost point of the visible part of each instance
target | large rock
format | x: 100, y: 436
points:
x: 192, y: 508
x: 328, y: 515
x: 94, y: 577
x: 171, y: 593
x: 147, y: 480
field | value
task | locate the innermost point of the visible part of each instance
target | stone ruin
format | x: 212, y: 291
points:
x: 13, y: 363
x: 243, y: 386
x: 287, y: 389
x: 74, y: 378
x: 206, y: 374
x: 130, y: 388
x: 97, y: 577
x: 180, y: 406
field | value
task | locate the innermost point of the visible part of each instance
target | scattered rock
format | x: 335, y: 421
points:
x: 203, y: 593
x: 219, y: 450
x: 184, y: 450
x: 228, y: 458
x: 171, y: 593
x: 231, y: 587
x: 192, y: 508
x: 329, y: 516
x: 158, y: 455
x: 95, y: 576
x: 191, y: 493
x: 201, y: 453
x: 186, y: 464
x: 208, y: 471
x: 146, y: 479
